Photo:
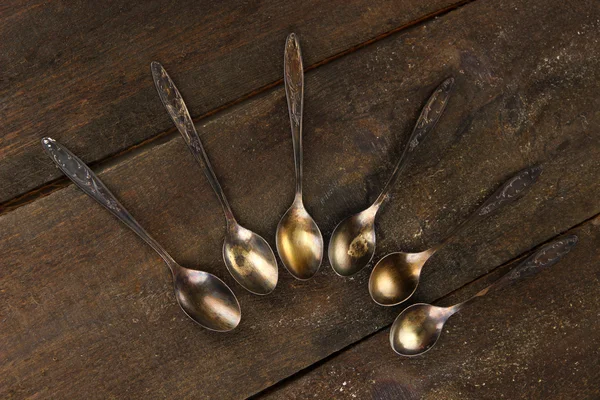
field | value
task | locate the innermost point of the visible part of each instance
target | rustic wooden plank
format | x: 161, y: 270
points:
x: 536, y: 340
x: 88, y: 310
x: 80, y: 72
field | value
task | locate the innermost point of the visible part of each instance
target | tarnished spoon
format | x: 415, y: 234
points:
x: 203, y: 297
x: 248, y: 256
x: 396, y: 276
x: 352, y: 243
x: 299, y: 240
x: 419, y: 326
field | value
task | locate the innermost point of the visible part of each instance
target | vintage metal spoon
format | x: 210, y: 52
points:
x: 396, y: 276
x: 248, y: 256
x: 299, y: 240
x: 352, y: 243
x: 202, y: 296
x: 419, y: 326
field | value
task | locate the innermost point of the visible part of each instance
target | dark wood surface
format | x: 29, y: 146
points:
x: 81, y: 71
x: 87, y: 310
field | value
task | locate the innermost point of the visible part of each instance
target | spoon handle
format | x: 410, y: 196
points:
x: 544, y: 258
x: 428, y: 119
x: 509, y: 192
x: 293, y: 79
x: 173, y: 102
x: 86, y: 180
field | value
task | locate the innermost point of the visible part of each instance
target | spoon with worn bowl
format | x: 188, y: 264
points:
x: 202, y: 296
x: 417, y: 328
x: 247, y: 256
x: 352, y: 243
x: 299, y: 240
x: 396, y: 276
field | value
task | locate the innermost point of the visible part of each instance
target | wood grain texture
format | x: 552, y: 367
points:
x: 535, y: 340
x: 88, y: 311
x: 80, y: 72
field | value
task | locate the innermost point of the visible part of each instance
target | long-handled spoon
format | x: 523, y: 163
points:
x: 299, y: 240
x: 352, y: 243
x: 396, y: 276
x: 202, y: 296
x: 419, y: 326
x: 248, y: 256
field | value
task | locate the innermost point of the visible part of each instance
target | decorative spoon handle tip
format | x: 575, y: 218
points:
x: 431, y: 113
x: 77, y: 171
x: 428, y: 119
x: 511, y: 190
x: 293, y: 78
x: 178, y: 111
x: 544, y: 258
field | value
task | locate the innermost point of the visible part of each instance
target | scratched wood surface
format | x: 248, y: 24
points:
x: 535, y: 340
x: 88, y: 310
x: 80, y: 71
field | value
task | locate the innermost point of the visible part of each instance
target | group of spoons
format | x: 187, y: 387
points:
x: 207, y: 300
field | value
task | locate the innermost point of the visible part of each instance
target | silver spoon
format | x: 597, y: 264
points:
x: 299, y: 240
x: 248, y: 256
x: 396, y: 276
x: 352, y: 243
x: 202, y: 296
x: 419, y: 326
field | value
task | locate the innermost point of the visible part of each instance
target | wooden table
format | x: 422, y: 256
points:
x: 87, y: 309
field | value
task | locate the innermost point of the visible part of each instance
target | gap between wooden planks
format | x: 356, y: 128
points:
x: 93, y: 89
x: 537, y: 339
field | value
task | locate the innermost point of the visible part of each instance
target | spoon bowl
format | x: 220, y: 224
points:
x: 352, y: 243
x: 206, y: 299
x: 299, y: 242
x: 417, y: 329
x: 396, y: 277
x: 250, y: 260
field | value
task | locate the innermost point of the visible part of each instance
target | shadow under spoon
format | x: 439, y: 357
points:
x: 352, y: 242
x: 299, y: 240
x: 247, y: 256
x: 396, y: 276
x: 418, y: 327
x: 202, y: 296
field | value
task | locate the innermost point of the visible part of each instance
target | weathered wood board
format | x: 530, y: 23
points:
x: 536, y: 340
x: 81, y: 71
x: 88, y: 311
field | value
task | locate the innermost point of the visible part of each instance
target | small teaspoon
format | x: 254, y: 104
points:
x: 396, y: 276
x: 202, y: 296
x: 417, y: 328
x: 352, y: 243
x: 299, y: 240
x: 247, y: 256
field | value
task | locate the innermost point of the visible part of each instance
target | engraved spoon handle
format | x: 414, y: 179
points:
x: 293, y: 78
x: 90, y: 184
x: 509, y: 192
x: 173, y: 102
x: 544, y: 258
x: 428, y: 119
